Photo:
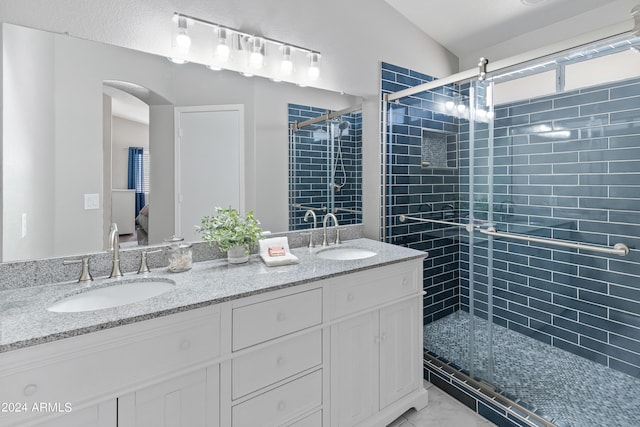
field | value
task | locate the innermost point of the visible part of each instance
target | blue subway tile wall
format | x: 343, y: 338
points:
x: 313, y: 154
x: 568, y: 173
x: 426, y: 192
x: 565, y: 166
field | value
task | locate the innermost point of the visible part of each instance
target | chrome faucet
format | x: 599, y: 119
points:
x: 324, y: 227
x: 311, y: 213
x: 307, y: 214
x: 114, y: 246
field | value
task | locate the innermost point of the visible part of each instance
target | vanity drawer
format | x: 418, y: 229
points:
x: 269, y: 365
x: 260, y: 322
x: 313, y: 420
x: 281, y: 404
x: 80, y: 368
x: 370, y: 288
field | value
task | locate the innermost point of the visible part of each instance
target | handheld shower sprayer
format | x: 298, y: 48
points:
x: 339, y: 162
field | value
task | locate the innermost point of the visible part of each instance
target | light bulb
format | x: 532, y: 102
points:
x: 223, y: 52
x: 314, y: 67
x: 286, y: 66
x: 222, y: 49
x: 449, y: 105
x: 461, y: 108
x: 256, y: 59
x: 183, y: 41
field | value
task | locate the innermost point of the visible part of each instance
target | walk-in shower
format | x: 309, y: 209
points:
x: 325, y: 164
x: 524, y: 187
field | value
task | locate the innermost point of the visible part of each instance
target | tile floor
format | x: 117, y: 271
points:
x: 566, y: 389
x: 442, y: 411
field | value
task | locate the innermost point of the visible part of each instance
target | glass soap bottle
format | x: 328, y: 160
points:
x: 179, y: 254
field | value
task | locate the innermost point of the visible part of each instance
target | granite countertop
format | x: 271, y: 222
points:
x: 25, y: 321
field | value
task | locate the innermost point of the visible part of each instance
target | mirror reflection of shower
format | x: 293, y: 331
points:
x: 339, y: 174
x: 325, y: 164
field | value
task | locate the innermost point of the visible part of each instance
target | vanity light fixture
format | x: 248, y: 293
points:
x: 223, y: 51
x: 314, y: 66
x: 183, y: 41
x: 245, y: 53
x: 286, y: 65
x: 256, y: 58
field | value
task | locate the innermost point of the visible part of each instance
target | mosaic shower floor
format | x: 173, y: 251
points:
x: 566, y: 389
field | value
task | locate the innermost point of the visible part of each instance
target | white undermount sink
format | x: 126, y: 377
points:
x: 112, y: 296
x: 345, y: 253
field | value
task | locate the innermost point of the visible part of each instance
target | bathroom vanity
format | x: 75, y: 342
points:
x: 320, y: 343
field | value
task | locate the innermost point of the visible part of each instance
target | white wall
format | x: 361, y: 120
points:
x: 607, y: 18
x: 353, y: 36
x: 28, y: 148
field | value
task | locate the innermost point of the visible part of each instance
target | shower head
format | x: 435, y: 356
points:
x: 344, y: 125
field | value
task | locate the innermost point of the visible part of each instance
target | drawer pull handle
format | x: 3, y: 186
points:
x: 281, y: 405
x: 281, y: 317
x: 280, y: 361
x: 185, y: 344
x: 405, y: 282
x: 30, y: 390
x: 350, y: 297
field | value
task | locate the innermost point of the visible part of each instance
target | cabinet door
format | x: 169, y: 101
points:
x: 400, y: 355
x: 100, y: 415
x: 354, y: 370
x: 190, y: 400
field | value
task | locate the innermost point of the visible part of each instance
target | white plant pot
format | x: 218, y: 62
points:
x: 237, y: 255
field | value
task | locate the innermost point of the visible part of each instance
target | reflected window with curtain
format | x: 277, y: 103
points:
x: 136, y: 176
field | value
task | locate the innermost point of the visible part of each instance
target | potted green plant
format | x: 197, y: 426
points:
x: 235, y: 234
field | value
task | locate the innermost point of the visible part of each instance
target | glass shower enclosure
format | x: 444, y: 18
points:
x: 524, y: 187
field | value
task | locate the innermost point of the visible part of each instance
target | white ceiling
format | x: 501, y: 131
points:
x: 474, y: 28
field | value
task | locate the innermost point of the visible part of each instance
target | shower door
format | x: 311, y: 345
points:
x: 532, y: 276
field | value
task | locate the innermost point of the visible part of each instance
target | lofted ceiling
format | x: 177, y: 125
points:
x: 474, y: 28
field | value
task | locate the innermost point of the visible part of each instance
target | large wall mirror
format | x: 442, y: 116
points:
x: 73, y: 109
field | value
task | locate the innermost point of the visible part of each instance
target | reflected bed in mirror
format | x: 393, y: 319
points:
x: 58, y: 170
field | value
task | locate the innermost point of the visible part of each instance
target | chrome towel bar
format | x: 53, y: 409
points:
x: 617, y: 249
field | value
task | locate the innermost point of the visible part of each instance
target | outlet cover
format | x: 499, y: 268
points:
x: 92, y: 201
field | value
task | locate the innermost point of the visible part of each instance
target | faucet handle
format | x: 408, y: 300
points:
x: 85, y: 276
x: 144, y: 267
x: 310, y: 234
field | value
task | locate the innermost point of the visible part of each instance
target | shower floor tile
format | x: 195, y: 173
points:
x: 564, y: 388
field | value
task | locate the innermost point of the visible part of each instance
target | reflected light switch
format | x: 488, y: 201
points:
x: 91, y: 201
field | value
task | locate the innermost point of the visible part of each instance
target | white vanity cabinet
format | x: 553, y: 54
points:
x: 87, y: 372
x: 276, y: 369
x: 99, y: 415
x: 191, y: 399
x: 376, y: 350
x: 336, y: 352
